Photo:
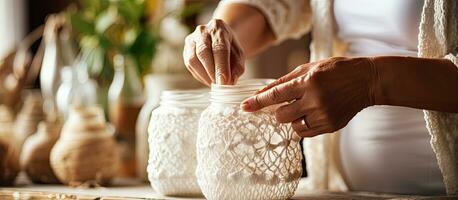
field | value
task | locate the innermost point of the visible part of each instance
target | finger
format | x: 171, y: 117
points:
x: 221, y: 52
x: 204, y: 51
x: 193, y: 63
x: 288, y: 91
x: 290, y: 112
x: 220, y: 39
x: 315, y: 125
x: 298, y: 71
x: 313, y: 132
x: 237, y: 61
x: 306, y: 129
x: 301, y: 124
x: 200, y: 79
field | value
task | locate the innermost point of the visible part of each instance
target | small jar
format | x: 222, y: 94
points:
x: 172, y: 142
x: 243, y: 155
x: 154, y: 85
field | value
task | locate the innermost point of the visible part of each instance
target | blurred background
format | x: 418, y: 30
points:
x: 118, y: 54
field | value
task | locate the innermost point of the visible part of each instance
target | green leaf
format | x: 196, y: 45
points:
x: 99, y: 61
x: 95, y: 6
x: 81, y: 25
x: 143, y: 49
x: 131, y: 10
x: 106, y: 19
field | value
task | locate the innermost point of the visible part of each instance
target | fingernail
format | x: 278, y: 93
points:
x: 246, y: 105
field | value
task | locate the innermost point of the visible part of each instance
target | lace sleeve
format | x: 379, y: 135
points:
x: 287, y: 18
x: 444, y: 139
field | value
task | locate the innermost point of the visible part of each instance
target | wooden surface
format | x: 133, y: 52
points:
x: 132, y: 189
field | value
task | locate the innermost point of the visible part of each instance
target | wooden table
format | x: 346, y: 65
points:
x: 133, y: 189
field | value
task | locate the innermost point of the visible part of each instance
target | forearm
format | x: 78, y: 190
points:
x: 423, y: 83
x: 249, y: 25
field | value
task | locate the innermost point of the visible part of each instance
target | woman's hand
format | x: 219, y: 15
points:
x: 213, y: 54
x: 323, y: 96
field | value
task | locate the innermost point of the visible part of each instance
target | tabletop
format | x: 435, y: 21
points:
x: 130, y: 189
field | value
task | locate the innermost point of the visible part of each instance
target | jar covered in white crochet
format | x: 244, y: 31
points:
x: 245, y: 155
x: 172, y: 142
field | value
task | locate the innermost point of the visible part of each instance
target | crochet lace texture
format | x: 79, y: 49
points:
x: 172, y: 157
x: 246, y: 155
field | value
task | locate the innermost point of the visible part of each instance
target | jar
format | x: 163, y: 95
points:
x: 172, y: 142
x: 243, y: 155
x: 154, y: 85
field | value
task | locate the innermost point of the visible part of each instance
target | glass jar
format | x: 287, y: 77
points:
x: 154, y: 85
x: 172, y: 142
x: 245, y: 155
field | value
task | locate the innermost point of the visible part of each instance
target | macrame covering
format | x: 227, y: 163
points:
x: 172, y: 157
x: 246, y: 155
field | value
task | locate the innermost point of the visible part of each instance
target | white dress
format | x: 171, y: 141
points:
x: 385, y: 148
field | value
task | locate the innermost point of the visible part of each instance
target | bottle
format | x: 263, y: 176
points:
x: 125, y: 99
x: 77, y: 88
x: 244, y: 155
x: 172, y: 142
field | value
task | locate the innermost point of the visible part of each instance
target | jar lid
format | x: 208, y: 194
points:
x: 195, y: 97
x: 237, y: 93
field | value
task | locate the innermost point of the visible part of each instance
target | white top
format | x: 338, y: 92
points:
x: 385, y: 148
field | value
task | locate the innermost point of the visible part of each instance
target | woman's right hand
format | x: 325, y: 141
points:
x: 213, y: 54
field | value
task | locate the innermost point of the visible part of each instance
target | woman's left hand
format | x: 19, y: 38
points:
x: 324, y: 96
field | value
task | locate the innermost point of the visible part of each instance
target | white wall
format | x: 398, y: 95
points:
x: 12, y: 24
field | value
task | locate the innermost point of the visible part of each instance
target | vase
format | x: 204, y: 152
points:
x: 244, y: 155
x: 86, y: 152
x: 59, y: 51
x: 9, y: 158
x: 34, y: 158
x: 125, y: 99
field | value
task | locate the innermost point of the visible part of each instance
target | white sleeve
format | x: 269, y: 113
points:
x: 287, y: 18
x: 443, y: 128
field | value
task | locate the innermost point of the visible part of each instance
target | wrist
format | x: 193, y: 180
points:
x: 375, y: 93
x: 389, y: 79
x: 249, y: 26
